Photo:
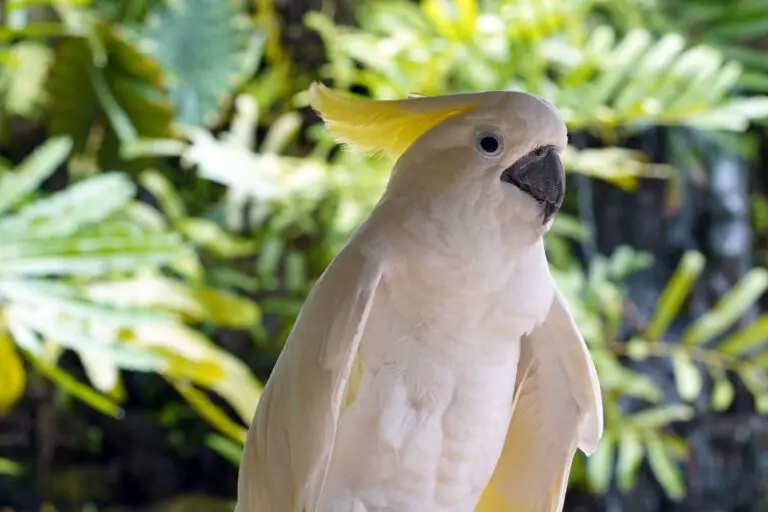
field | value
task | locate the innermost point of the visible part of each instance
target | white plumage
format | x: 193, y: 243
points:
x: 434, y: 366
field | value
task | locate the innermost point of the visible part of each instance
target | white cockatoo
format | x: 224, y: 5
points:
x: 435, y: 366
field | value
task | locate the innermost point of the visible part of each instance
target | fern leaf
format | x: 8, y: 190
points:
x: 204, y: 47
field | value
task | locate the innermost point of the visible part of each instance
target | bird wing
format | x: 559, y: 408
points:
x: 557, y: 408
x: 290, y: 441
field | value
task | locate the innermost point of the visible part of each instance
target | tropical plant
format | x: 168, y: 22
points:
x: 81, y: 269
x: 229, y: 189
x: 706, y: 347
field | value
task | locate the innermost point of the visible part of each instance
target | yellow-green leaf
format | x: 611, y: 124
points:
x: 687, y: 377
x: 67, y: 383
x: 752, y: 337
x: 722, y: 393
x: 600, y: 464
x: 210, y: 412
x: 195, y: 303
x: 675, y: 292
x: 664, y: 468
x: 225, y: 447
x: 9, y: 467
x: 13, y: 377
x: 630, y: 456
x: 657, y: 417
x: 729, y: 308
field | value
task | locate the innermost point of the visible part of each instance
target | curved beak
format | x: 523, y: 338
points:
x: 541, y: 175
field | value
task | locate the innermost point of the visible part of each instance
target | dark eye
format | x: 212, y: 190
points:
x: 489, y: 143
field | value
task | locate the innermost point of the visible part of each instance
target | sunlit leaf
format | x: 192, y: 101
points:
x: 30, y: 174
x: 69, y: 384
x: 87, y: 254
x: 660, y: 416
x: 631, y: 453
x: 160, y: 187
x: 13, y: 376
x: 722, y: 391
x: 674, y: 294
x: 64, y: 212
x: 195, y: 303
x: 600, y: 464
x: 230, y: 450
x: 9, y: 467
x: 24, y: 78
x: 687, y: 377
x: 729, y: 308
x: 209, y: 235
x: 210, y: 412
x: 664, y: 468
x: 752, y: 337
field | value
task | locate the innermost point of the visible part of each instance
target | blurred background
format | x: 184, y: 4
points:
x: 167, y: 199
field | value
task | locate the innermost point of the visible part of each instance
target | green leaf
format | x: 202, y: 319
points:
x: 674, y: 294
x: 733, y: 115
x: 88, y: 254
x: 722, y: 391
x: 630, y: 456
x: 190, y: 356
x: 33, y: 171
x: 70, y: 385
x: 13, y: 377
x: 210, y: 412
x: 23, y: 78
x: 165, y: 195
x: 664, y: 468
x: 728, y: 309
x: 225, y: 447
x: 751, y: 337
x: 600, y: 464
x: 570, y: 227
x: 687, y: 377
x: 204, y: 47
x: 72, y: 334
x: 195, y: 303
x: 103, y: 373
x: 210, y: 236
x: 128, y: 91
x: 65, y: 212
x: 660, y: 416
x: 9, y: 467
x: 756, y: 380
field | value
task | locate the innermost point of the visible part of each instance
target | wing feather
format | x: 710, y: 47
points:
x: 557, y: 408
x: 290, y: 440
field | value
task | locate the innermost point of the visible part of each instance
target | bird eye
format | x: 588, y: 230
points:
x: 489, y: 143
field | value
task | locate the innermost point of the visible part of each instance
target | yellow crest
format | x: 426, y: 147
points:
x: 383, y: 126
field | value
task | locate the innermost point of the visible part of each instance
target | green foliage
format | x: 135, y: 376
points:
x: 233, y: 228
x: 79, y: 270
x: 735, y: 28
x: 703, y: 350
x: 113, y: 94
x: 201, y: 76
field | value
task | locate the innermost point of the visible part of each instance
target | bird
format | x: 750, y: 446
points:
x: 435, y: 365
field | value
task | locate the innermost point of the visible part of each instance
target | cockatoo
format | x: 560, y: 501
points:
x: 434, y: 366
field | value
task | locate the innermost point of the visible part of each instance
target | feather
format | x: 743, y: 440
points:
x: 557, y: 407
x: 290, y: 441
x: 383, y: 126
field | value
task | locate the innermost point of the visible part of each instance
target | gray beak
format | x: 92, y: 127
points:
x: 541, y: 175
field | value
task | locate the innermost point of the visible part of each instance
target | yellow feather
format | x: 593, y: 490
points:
x: 355, y: 376
x: 493, y: 501
x: 382, y: 126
